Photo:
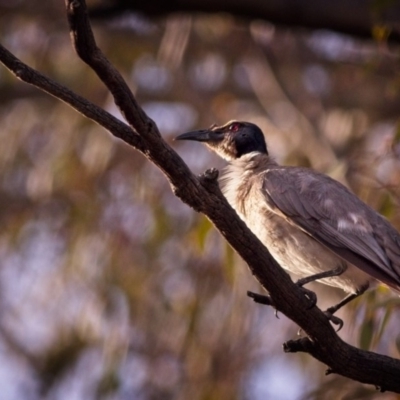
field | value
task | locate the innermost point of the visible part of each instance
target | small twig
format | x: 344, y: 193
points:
x: 261, y: 298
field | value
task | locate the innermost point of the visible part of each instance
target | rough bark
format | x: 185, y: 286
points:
x: 203, y: 194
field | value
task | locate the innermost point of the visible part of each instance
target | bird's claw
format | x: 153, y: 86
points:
x: 210, y: 174
x: 335, y: 320
x: 310, y: 295
x: 332, y: 318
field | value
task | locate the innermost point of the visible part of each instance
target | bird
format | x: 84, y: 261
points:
x: 313, y: 226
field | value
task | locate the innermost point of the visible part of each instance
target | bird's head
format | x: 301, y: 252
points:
x: 230, y: 141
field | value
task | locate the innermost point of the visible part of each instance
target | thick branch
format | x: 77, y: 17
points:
x: 352, y: 17
x: 204, y: 195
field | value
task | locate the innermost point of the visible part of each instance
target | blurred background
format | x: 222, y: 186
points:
x: 110, y: 287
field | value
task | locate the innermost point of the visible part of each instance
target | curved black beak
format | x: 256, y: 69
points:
x: 199, y: 136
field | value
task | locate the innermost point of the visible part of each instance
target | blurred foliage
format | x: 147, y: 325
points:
x: 113, y: 289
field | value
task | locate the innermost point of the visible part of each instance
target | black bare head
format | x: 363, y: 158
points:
x: 230, y: 141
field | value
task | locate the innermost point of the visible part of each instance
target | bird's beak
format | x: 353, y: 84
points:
x: 204, y: 135
x: 210, y: 136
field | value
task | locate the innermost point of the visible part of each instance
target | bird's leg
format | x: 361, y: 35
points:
x: 321, y: 275
x: 327, y: 274
x: 331, y: 310
x: 264, y: 299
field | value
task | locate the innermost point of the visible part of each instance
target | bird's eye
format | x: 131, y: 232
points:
x: 234, y: 127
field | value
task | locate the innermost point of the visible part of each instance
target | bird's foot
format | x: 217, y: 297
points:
x: 310, y: 295
x: 209, y: 175
x: 321, y: 275
x: 331, y: 310
x: 332, y: 318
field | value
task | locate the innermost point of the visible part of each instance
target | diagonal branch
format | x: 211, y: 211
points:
x: 93, y: 56
x: 80, y: 104
x: 203, y: 195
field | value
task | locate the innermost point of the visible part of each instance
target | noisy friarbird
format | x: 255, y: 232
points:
x: 312, y: 225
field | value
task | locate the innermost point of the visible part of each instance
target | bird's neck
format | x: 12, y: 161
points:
x: 239, y: 176
x: 253, y: 161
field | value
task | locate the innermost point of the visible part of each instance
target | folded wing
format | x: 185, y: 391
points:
x: 330, y: 213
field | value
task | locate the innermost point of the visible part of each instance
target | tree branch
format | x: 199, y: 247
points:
x: 351, y: 17
x: 80, y: 104
x: 204, y: 195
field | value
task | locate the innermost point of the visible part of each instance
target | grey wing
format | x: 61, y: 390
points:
x: 330, y: 213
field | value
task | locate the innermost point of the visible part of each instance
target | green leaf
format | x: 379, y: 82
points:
x: 381, y: 32
x: 366, y: 334
x: 385, y: 320
x: 398, y: 343
x: 387, y: 207
x: 229, y: 263
x: 202, y: 229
